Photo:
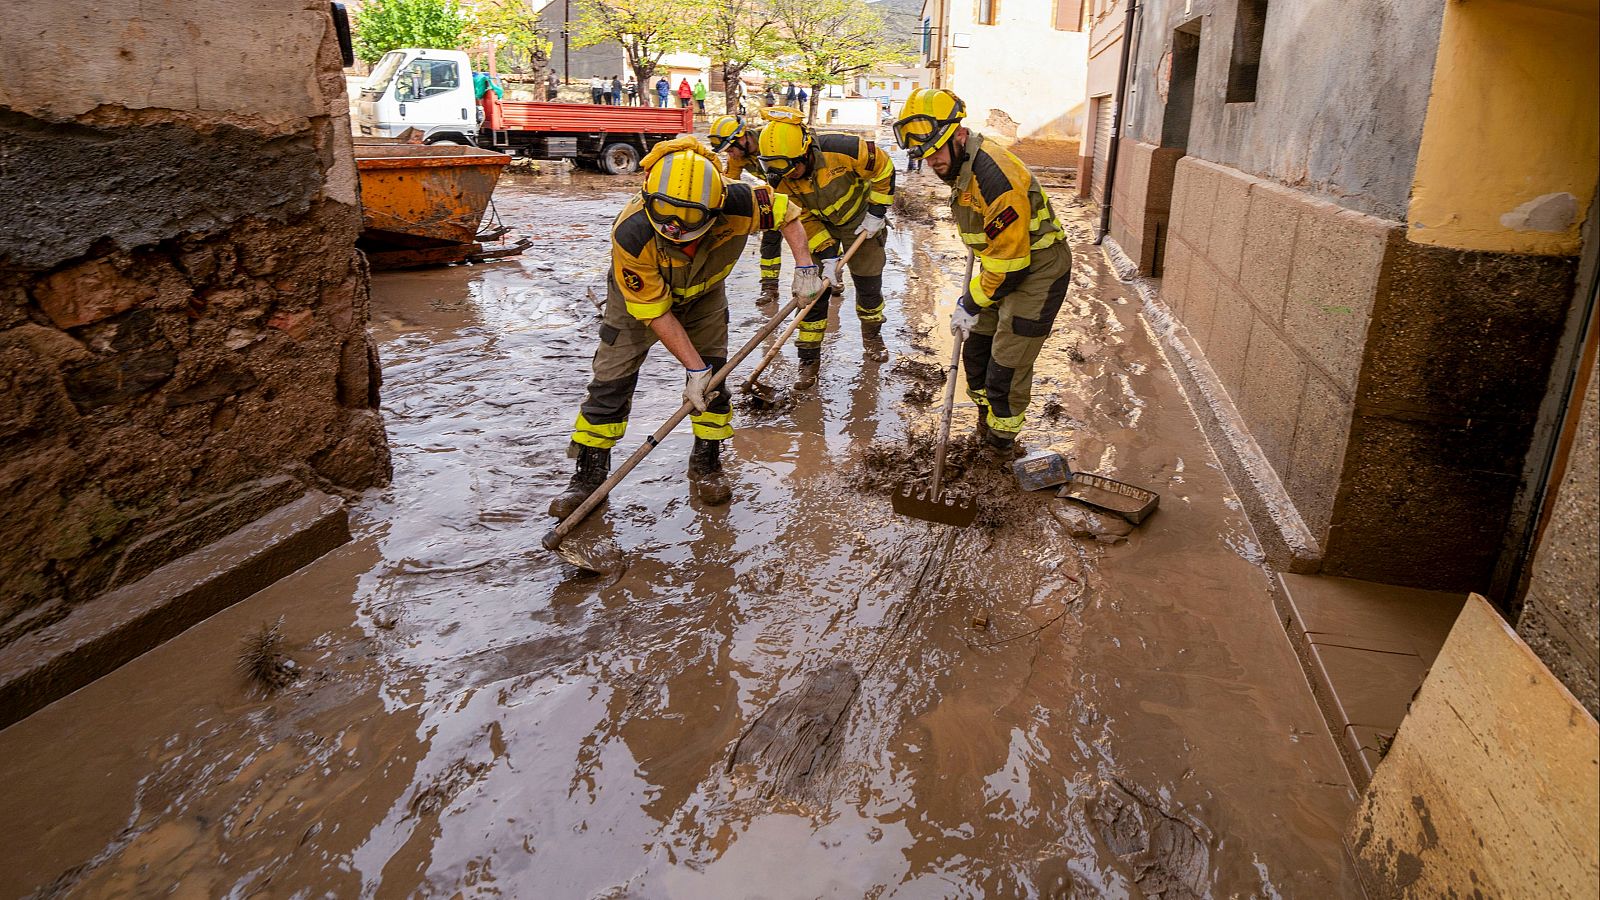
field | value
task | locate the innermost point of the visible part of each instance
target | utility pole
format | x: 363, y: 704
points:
x: 566, y: 40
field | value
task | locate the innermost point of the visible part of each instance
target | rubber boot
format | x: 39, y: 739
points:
x: 806, y: 377
x: 594, y: 466
x: 769, y: 291
x: 983, y: 425
x: 1001, y: 444
x: 872, y: 345
x: 705, y: 472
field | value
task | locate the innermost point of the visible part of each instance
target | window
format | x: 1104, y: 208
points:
x: 1068, y: 15
x: 927, y: 37
x: 426, y: 77
x: 988, y: 10
x: 1244, y: 67
x: 897, y: 85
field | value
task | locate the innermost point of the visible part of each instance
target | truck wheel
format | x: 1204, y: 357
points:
x: 620, y: 159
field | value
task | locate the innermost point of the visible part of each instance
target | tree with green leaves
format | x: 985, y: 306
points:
x: 833, y: 40
x: 384, y: 25
x: 646, y: 29
x: 513, y: 27
x: 738, y: 34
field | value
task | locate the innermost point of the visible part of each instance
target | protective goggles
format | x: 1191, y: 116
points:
x: 721, y: 143
x: 921, y: 135
x: 677, y: 219
x: 780, y: 166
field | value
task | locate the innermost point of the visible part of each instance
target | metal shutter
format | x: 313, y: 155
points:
x: 1102, y: 147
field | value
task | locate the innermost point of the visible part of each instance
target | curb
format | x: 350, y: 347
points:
x: 98, y: 637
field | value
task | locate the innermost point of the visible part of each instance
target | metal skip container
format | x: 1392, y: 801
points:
x: 422, y: 205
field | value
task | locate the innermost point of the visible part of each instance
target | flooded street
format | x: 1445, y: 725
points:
x: 784, y: 697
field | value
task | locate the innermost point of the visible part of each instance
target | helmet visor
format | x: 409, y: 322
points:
x: 677, y: 220
x: 921, y: 135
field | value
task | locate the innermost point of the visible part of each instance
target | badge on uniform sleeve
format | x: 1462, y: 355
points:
x: 999, y: 223
x: 632, y: 281
x: 764, y: 210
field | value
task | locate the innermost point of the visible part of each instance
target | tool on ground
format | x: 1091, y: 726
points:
x: 1126, y: 500
x: 763, y: 395
x: 1041, y: 470
x: 933, y: 505
x: 607, y: 560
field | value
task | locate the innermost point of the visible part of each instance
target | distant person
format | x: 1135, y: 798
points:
x: 684, y: 93
x: 616, y: 90
x: 769, y: 98
x: 788, y: 95
x: 553, y: 89
x: 700, y: 96
x: 632, y: 89
x: 662, y: 87
x: 801, y: 97
x: 597, y: 89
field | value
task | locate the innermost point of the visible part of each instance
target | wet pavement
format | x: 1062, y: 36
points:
x: 784, y: 697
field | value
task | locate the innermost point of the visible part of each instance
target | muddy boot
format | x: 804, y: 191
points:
x: 982, y: 432
x: 806, y: 377
x: 872, y: 346
x: 705, y: 473
x: 594, y: 466
x: 769, y: 291
x: 1001, y: 445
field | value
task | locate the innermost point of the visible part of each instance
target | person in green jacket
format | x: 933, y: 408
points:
x: 700, y: 95
x: 482, y: 84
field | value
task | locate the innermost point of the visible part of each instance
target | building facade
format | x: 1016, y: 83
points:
x: 1019, y: 65
x: 1105, y: 21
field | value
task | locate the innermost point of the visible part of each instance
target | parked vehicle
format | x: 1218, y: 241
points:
x: 431, y: 90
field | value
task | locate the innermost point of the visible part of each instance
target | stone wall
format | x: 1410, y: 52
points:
x: 183, y: 313
x: 1561, y: 613
x: 1141, y: 201
x: 1391, y: 387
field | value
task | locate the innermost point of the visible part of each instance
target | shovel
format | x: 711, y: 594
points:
x: 765, y: 395
x: 933, y: 505
x: 605, y: 558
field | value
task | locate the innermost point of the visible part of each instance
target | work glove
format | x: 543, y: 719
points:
x: 830, y: 272
x: 807, y: 283
x: 697, y: 389
x: 870, y: 225
x: 962, y: 318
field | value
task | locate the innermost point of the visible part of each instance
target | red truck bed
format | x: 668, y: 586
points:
x: 583, y: 117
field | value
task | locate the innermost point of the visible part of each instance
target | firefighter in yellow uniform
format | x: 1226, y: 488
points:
x: 845, y: 184
x: 1024, y: 264
x: 731, y: 135
x: 672, y: 247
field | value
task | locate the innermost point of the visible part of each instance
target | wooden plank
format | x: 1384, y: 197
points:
x: 1492, y: 785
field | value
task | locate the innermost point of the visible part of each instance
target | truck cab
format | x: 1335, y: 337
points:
x: 429, y: 90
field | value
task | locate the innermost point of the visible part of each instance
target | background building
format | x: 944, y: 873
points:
x: 1020, y: 65
x: 1105, y: 20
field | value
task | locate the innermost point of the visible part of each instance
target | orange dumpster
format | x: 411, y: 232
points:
x: 428, y: 200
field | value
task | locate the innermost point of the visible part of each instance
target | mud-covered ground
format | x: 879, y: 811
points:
x: 797, y: 695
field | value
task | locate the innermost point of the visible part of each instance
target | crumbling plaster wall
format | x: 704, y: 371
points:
x: 183, y: 313
x: 1341, y: 96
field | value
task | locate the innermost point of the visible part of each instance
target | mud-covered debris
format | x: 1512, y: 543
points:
x: 913, y: 205
x: 1086, y: 523
x: 262, y: 660
x: 794, y: 744
x: 920, y: 371
x: 1052, y: 410
x: 1165, y: 855
x: 971, y: 470
x: 752, y: 404
x: 920, y: 395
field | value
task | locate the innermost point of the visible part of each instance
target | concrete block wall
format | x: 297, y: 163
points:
x: 1141, y: 201
x: 183, y: 311
x: 1390, y: 386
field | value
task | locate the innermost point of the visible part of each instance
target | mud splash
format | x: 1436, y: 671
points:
x: 785, y: 696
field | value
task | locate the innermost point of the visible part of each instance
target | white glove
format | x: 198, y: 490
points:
x: 807, y: 283
x: 870, y: 225
x: 961, y: 321
x: 830, y: 272
x: 697, y: 390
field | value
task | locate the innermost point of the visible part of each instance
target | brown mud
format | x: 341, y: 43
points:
x: 784, y: 697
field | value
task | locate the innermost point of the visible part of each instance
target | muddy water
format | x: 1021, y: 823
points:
x: 785, y: 697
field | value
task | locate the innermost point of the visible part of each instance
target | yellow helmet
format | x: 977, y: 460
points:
x: 726, y: 130
x: 784, y: 142
x: 927, y: 120
x: 683, y: 189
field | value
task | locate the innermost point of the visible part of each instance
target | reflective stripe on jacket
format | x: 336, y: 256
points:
x: 1003, y: 215
x: 653, y: 274
x: 847, y: 174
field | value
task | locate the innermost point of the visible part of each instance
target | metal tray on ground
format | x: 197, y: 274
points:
x: 1131, y: 503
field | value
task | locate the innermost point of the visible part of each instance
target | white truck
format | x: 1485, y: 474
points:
x: 432, y: 91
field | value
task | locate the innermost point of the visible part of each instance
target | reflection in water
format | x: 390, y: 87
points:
x: 483, y: 719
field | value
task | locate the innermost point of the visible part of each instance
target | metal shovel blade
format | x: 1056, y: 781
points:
x: 763, y: 396
x: 946, y: 510
x: 599, y: 556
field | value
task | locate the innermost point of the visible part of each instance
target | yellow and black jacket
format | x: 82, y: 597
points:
x: 654, y: 275
x: 737, y: 165
x: 848, y: 175
x: 1004, y: 216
